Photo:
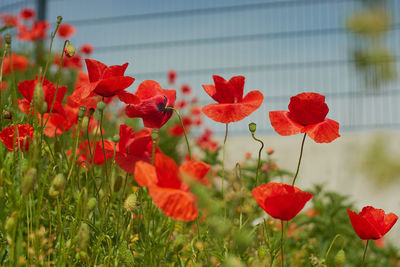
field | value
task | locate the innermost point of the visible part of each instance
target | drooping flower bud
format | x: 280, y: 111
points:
x: 69, y: 50
x: 92, y: 203
x: 84, y: 236
x: 28, y: 181
x: 252, y: 127
x: 340, y: 258
x: 53, y: 192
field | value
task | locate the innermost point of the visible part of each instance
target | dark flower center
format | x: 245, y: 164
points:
x: 162, y: 107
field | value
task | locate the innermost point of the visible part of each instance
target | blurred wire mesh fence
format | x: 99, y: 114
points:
x: 282, y: 47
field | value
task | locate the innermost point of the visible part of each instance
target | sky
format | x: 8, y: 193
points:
x: 282, y: 47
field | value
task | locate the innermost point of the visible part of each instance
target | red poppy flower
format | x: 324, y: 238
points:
x: 186, y: 90
x: 106, y: 82
x: 86, y: 49
x: 167, y: 190
x: 9, y: 20
x: 66, y: 30
x: 27, y: 87
x: 281, y: 201
x: 19, y: 62
x: 177, y: 129
x: 84, y: 153
x: 133, y: 147
x: 37, y: 31
x: 180, y: 104
x: 171, y: 77
x: 153, y: 101
x: 231, y: 105
x: 27, y: 13
x: 206, y: 142
x: 20, y: 139
x: 307, y: 112
x: 371, y: 223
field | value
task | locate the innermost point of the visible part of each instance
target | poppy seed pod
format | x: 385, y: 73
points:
x: 28, y: 181
x: 7, y: 39
x: 82, y: 110
x: 252, y: 127
x: 59, y: 19
x: 154, y: 135
x: 116, y: 138
x: 69, y: 50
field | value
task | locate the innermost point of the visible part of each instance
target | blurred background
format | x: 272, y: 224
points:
x: 347, y: 50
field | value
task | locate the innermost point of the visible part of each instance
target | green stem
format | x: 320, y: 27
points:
x: 282, y: 234
x: 53, y: 35
x: 102, y: 140
x: 365, y: 253
x: 1, y: 80
x: 259, y: 156
x: 223, y: 166
x: 75, y: 148
x: 301, y: 155
x: 184, y: 131
x: 331, y: 245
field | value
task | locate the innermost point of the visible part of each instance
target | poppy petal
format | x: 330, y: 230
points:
x: 363, y: 228
x: 308, y: 108
x: 237, y: 87
x: 167, y: 171
x: 114, y: 71
x: 176, y: 204
x: 232, y: 112
x: 128, y: 98
x: 95, y: 69
x: 196, y: 170
x: 112, y: 86
x: 282, y: 124
x: 323, y: 132
x: 145, y: 174
x: 83, y: 91
x: 148, y: 89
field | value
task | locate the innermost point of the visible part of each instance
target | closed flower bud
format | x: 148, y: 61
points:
x: 59, y: 182
x: 130, y: 203
x: 38, y: 97
x: 85, y: 122
x: 261, y: 252
x: 84, y: 236
x: 82, y: 111
x: 28, y: 181
x: 7, y: 115
x: 340, y: 258
x: 252, y: 127
x: 117, y: 183
x: 10, y: 223
x: 7, y: 39
x: 53, y: 192
x: 101, y: 106
x: 233, y: 262
x: 69, y: 50
x: 92, y: 203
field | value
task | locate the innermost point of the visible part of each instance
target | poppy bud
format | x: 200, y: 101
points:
x: 101, y: 106
x: 69, y: 50
x: 38, y: 97
x: 53, y: 192
x: 59, y: 182
x: 10, y: 223
x: 340, y: 258
x: 59, y: 19
x: 233, y: 262
x: 7, y: 39
x: 82, y: 111
x: 130, y: 203
x: 252, y: 127
x: 261, y: 252
x: 117, y: 183
x: 92, y: 203
x: 116, y: 138
x: 7, y: 115
x: 28, y: 181
x: 85, y: 122
x: 84, y: 236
